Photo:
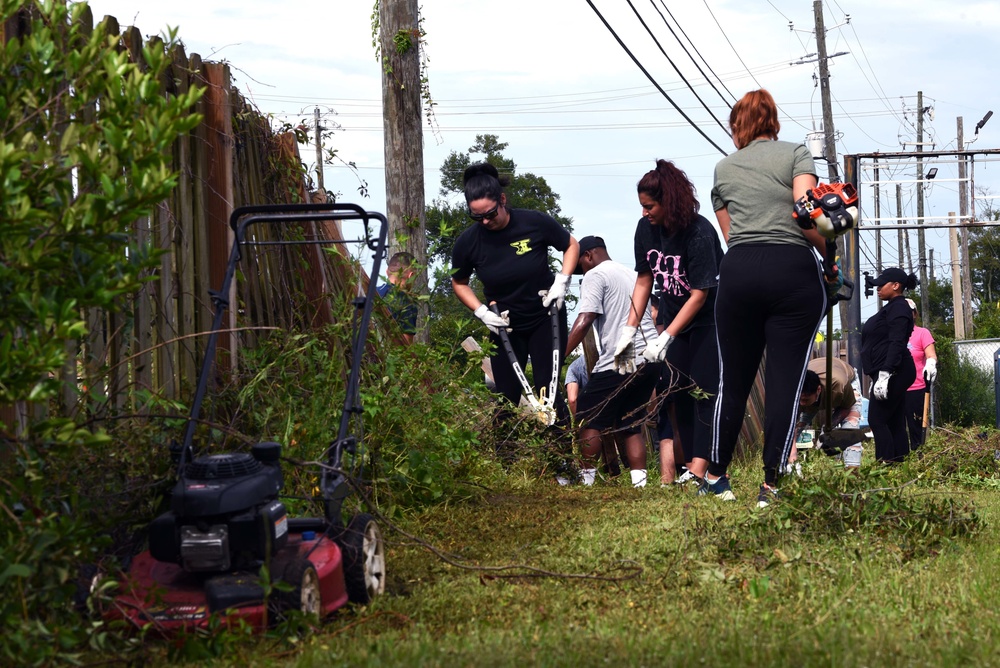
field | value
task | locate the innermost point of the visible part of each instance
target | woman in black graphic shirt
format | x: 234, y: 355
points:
x: 679, y: 250
x: 508, y: 249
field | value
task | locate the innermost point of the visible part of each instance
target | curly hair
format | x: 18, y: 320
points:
x: 754, y: 115
x: 671, y: 187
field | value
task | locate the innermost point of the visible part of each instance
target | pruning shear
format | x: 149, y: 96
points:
x: 544, y: 405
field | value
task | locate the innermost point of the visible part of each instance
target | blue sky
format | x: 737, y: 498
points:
x: 549, y: 79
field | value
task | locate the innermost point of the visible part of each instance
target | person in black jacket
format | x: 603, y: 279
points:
x: 886, y: 360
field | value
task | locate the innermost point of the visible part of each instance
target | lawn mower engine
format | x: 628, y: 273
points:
x: 224, y: 513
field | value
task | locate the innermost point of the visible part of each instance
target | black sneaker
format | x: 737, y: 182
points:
x: 766, y: 496
x: 719, y: 488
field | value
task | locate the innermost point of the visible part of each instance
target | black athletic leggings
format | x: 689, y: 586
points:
x: 771, y: 298
x: 915, y: 417
x: 536, y: 344
x: 693, y: 362
x: 887, y: 417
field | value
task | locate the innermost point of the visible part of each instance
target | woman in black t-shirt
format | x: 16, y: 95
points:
x: 508, y: 249
x: 886, y: 359
x: 679, y: 250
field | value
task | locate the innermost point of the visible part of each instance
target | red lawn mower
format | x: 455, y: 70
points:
x: 226, y: 522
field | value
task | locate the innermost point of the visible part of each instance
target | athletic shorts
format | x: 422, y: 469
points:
x: 611, y: 400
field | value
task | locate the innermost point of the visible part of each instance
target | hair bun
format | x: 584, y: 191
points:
x: 475, y: 170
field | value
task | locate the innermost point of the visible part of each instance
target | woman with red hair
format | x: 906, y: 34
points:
x: 679, y: 250
x: 772, y: 294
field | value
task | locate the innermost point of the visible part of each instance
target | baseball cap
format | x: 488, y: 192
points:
x: 891, y: 275
x: 912, y: 304
x: 588, y: 243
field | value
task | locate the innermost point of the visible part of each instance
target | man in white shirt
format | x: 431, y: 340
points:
x: 611, y: 400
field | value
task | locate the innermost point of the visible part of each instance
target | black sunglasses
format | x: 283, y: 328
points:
x: 489, y: 215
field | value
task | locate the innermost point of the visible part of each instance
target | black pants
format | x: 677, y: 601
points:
x: 771, y: 298
x: 536, y: 344
x: 887, y: 417
x: 915, y: 417
x: 692, y: 370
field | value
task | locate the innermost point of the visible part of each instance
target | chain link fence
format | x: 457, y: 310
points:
x: 978, y: 352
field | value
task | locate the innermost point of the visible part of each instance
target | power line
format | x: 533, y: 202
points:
x: 676, y: 69
x: 651, y: 79
x: 679, y: 27
x: 740, y: 58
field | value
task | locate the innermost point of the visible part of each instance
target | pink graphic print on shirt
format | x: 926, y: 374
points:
x: 667, y: 268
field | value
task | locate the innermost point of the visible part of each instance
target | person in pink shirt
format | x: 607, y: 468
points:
x: 921, y: 347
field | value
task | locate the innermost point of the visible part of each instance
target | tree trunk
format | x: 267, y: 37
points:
x: 404, y: 164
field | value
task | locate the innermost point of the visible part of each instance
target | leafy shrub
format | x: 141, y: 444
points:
x: 965, y: 393
x: 84, y: 135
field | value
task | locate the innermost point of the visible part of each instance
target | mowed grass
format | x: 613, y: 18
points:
x: 547, y: 575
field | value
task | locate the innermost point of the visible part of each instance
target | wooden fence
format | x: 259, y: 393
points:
x: 154, y: 342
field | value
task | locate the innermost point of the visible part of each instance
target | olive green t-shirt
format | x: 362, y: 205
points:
x: 755, y: 186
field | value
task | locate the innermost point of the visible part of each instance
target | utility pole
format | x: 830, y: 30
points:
x: 921, y: 250
x: 319, y: 151
x: 399, y: 42
x: 824, y: 90
x: 899, y: 215
x: 847, y: 245
x: 963, y: 211
x: 878, y: 220
x: 956, y: 296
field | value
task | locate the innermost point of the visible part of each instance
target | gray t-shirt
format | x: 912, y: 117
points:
x: 607, y: 291
x: 755, y: 186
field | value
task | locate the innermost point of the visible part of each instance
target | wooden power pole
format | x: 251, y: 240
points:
x: 399, y: 40
x: 921, y: 244
x: 956, y: 281
x: 319, y: 151
x: 847, y: 245
x: 963, y: 212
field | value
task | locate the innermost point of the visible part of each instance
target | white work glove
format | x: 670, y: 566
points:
x: 557, y: 293
x: 492, y: 320
x: 930, y: 370
x: 657, y: 350
x: 880, y: 390
x: 625, y: 351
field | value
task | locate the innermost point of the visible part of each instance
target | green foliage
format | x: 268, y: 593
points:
x: 73, y: 173
x: 876, y: 503
x: 423, y: 409
x: 986, y: 321
x: 969, y: 457
x: 964, y: 392
x: 984, y: 258
x: 940, y: 318
x: 84, y: 137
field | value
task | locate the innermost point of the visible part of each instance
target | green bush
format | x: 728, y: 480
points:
x: 84, y: 136
x: 423, y: 408
x: 965, y: 394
